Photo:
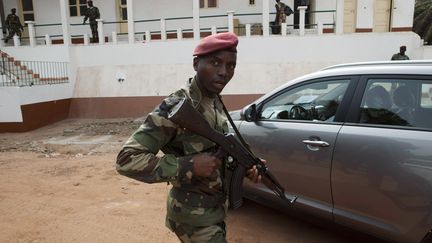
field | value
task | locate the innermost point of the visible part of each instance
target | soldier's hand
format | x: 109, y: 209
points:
x: 204, y: 164
x: 253, y: 175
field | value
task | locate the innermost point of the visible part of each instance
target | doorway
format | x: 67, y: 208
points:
x: 25, y: 13
x: 122, y: 16
x: 382, y: 15
x: 350, y: 16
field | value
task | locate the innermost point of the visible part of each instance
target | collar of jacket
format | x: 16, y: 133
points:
x: 194, y: 92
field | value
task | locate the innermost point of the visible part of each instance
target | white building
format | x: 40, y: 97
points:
x: 125, y: 76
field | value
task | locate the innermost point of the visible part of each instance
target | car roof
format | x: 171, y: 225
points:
x: 410, y: 67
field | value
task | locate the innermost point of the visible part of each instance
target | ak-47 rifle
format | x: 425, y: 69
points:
x: 184, y: 115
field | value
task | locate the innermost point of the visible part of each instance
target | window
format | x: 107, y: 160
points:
x: 311, y: 102
x: 77, y: 7
x: 123, y: 10
x: 426, y: 100
x: 399, y: 102
x: 27, y: 8
x: 208, y: 3
x: 251, y: 2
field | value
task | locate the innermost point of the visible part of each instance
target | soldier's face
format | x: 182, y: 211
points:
x: 214, y: 71
x: 13, y: 11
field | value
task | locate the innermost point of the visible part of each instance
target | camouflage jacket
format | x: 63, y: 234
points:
x: 13, y: 21
x: 92, y: 14
x: 138, y: 159
x: 399, y: 56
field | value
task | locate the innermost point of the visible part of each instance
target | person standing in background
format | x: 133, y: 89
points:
x: 13, y: 25
x: 401, y: 55
x: 92, y: 14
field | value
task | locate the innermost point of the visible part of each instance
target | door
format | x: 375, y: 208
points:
x: 350, y: 16
x: 26, y: 13
x: 122, y: 16
x: 382, y: 15
x: 382, y: 164
x: 296, y: 133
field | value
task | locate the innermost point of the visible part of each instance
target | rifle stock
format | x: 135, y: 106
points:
x: 184, y: 115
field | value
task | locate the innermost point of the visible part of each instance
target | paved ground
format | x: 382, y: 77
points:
x: 58, y: 184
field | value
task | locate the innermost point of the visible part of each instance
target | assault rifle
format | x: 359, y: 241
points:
x: 184, y: 115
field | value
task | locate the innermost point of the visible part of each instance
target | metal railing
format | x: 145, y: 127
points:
x: 29, y: 73
x: 143, y: 25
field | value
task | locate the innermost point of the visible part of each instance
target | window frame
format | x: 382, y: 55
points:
x: 206, y: 4
x: 353, y: 116
x: 77, y: 6
x: 341, y: 110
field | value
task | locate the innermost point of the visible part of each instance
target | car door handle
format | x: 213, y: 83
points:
x: 316, y: 143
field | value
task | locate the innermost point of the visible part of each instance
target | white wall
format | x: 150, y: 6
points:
x: 157, y: 68
x: 10, y: 105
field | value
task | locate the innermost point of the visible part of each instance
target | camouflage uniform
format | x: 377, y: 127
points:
x: 13, y: 25
x: 280, y: 13
x: 196, y: 207
x: 399, y: 56
x: 92, y: 14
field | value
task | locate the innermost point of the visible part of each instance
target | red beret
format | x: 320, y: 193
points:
x: 216, y: 42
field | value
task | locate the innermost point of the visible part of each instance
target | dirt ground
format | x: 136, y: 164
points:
x: 58, y: 184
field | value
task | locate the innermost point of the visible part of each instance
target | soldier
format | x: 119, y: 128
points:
x: 280, y: 12
x: 13, y: 25
x: 401, y: 55
x: 197, y: 202
x: 92, y: 14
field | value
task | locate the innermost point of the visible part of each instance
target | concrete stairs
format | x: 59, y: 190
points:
x: 18, y: 74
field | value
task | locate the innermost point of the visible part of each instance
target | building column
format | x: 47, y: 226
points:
x: 31, y: 30
x: 196, y: 24
x: 265, y: 18
x: 64, y: 11
x: 131, y: 25
x: 340, y: 11
x: 101, y: 35
x: 302, y: 17
x: 163, y: 29
x: 48, y: 40
x: 230, y: 21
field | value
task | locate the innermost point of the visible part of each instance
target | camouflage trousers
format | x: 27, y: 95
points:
x: 193, y: 234
x: 13, y: 31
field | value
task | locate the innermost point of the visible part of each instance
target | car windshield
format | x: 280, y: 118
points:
x: 320, y: 95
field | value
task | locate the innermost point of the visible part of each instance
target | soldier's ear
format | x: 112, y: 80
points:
x: 195, y: 63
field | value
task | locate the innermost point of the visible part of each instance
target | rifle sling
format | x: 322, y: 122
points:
x: 243, y: 142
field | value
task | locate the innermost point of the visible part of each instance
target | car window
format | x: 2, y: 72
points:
x: 426, y: 98
x: 316, y: 101
x: 398, y: 102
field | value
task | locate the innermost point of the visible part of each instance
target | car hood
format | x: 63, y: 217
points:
x: 235, y: 115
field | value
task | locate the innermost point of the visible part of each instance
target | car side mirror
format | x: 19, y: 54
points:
x: 250, y: 113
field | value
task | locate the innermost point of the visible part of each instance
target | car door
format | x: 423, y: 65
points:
x: 296, y: 132
x: 382, y: 163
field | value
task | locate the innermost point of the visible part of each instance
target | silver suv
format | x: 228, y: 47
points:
x: 353, y: 143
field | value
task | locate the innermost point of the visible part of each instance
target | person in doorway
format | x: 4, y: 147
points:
x: 197, y: 202
x: 280, y: 12
x: 13, y: 25
x: 92, y: 14
x: 401, y: 55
